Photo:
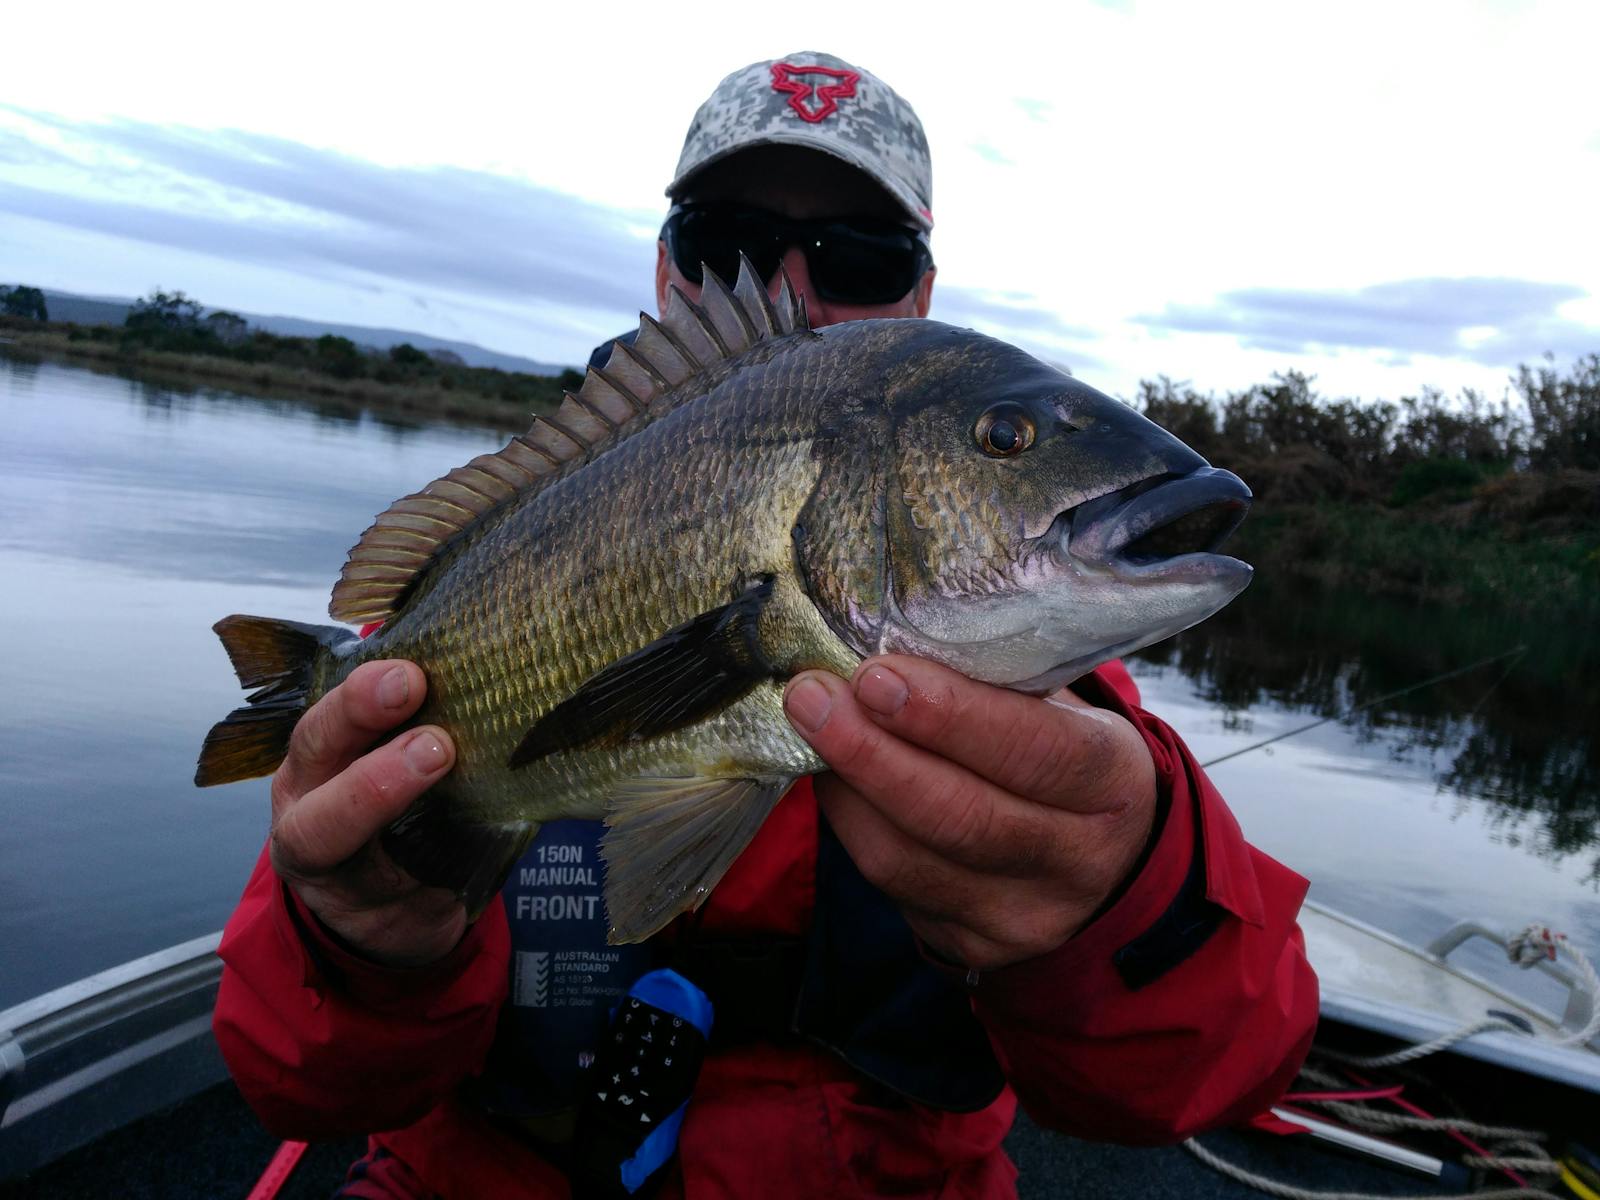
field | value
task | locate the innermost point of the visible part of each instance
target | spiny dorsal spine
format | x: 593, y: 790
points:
x: 636, y: 382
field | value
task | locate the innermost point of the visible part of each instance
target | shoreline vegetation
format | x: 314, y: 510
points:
x: 1462, y: 502
x: 1432, y: 500
x: 172, y: 336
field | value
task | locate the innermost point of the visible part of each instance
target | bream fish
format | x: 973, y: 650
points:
x: 607, y: 609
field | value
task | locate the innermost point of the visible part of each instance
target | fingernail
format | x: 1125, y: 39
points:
x: 881, y: 690
x: 394, y: 687
x: 424, y: 754
x: 807, y: 704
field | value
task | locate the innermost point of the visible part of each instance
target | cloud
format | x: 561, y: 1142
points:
x: 17, y: 150
x: 1034, y: 109
x: 989, y: 153
x: 250, y: 197
x: 1015, y: 311
x: 1016, y: 317
x: 1492, y: 321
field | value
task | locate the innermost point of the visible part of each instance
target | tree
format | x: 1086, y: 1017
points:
x: 228, y: 328
x: 163, y: 311
x: 1565, y: 413
x: 24, y: 302
x: 339, y: 357
x: 407, y: 355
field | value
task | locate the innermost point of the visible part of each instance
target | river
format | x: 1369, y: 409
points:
x: 133, y: 515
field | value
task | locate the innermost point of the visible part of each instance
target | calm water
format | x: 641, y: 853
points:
x: 132, y: 516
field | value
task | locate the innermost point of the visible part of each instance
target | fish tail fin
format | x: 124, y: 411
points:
x: 276, y: 658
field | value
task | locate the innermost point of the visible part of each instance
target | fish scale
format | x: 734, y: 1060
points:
x: 608, y: 609
x: 590, y: 597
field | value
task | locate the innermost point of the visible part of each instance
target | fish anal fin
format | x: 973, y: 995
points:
x: 438, y: 845
x: 669, y: 841
x: 691, y: 670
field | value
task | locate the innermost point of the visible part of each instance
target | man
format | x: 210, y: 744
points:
x: 990, y: 896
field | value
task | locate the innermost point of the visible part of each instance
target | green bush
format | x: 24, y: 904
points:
x: 1564, y: 412
x: 1440, y: 479
x: 407, y: 355
x: 1288, y: 441
x: 24, y: 302
x: 340, y: 357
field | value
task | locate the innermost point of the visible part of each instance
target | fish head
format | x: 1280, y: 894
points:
x: 1034, y: 527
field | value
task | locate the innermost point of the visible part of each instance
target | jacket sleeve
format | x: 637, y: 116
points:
x: 1188, y: 1003
x: 325, y: 1044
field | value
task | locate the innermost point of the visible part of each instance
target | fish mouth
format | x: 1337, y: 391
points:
x: 1167, y: 527
x: 1109, y: 576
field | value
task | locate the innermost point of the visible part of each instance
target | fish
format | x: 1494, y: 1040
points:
x: 608, y: 608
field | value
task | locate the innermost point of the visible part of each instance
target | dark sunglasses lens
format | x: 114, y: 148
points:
x: 851, y: 262
x: 717, y: 238
x: 854, y: 264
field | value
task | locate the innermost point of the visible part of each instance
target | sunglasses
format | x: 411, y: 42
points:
x: 851, y: 260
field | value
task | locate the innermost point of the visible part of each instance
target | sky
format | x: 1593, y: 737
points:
x: 1386, y: 196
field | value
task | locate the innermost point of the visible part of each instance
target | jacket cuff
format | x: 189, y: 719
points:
x: 327, y: 963
x: 1032, y: 990
x: 1170, y: 905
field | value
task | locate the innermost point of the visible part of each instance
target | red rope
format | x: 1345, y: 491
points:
x: 1418, y: 1111
x: 1388, y: 1093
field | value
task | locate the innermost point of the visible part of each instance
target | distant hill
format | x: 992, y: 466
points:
x: 86, y: 310
x: 111, y: 310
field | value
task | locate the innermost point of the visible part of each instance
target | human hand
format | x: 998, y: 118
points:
x: 997, y: 822
x: 333, y: 795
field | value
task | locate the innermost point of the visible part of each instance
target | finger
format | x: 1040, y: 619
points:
x: 938, y: 803
x: 332, y: 822
x: 1062, y: 752
x: 345, y: 723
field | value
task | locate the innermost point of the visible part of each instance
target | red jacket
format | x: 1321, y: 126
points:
x: 329, y: 1045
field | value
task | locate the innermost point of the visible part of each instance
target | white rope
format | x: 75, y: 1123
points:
x: 1274, y: 1188
x: 1422, y: 1049
x: 1366, y: 1118
x: 1535, y: 944
x: 1530, y: 1165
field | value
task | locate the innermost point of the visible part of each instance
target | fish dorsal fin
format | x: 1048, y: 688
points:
x: 637, y: 383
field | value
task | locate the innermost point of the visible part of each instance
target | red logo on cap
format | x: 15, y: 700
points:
x: 827, y: 96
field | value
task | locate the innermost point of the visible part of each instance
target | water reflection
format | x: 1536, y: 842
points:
x: 137, y: 513
x: 1518, y: 733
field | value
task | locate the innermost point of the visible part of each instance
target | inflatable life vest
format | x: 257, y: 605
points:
x: 856, y: 984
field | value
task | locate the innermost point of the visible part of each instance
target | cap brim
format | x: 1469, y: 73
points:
x: 898, y: 192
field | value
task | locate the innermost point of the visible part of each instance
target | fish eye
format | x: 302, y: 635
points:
x: 1004, y: 431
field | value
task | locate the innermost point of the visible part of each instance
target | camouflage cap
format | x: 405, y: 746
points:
x: 822, y: 103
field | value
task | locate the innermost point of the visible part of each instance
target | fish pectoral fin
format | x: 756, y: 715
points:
x: 689, y: 671
x: 670, y: 840
x: 440, y: 846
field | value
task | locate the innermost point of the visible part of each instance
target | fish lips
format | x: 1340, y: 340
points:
x: 1166, y: 528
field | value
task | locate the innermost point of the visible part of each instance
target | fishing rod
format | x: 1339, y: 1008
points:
x: 1514, y: 653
